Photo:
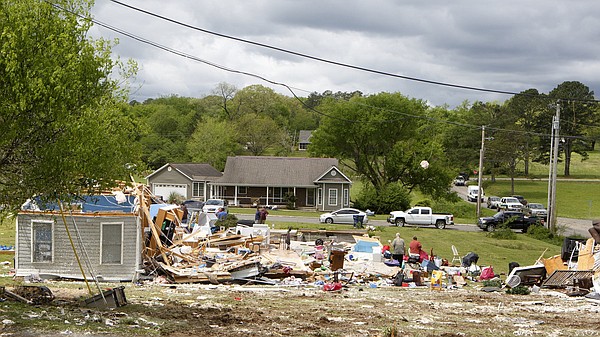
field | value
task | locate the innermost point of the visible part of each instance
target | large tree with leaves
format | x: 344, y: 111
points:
x: 577, y: 111
x: 383, y: 138
x: 61, y: 110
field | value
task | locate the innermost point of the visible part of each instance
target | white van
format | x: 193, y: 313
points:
x: 472, y: 192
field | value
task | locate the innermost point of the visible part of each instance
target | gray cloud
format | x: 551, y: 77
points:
x: 508, y: 45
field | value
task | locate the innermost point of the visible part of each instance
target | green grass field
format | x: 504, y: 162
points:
x: 574, y: 199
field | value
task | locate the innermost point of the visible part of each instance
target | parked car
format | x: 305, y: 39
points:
x: 510, y: 204
x: 213, y: 205
x: 493, y: 202
x: 343, y: 215
x: 420, y: 216
x: 521, y: 199
x: 459, y: 181
x: 537, y: 210
x: 512, y: 219
x: 193, y: 204
x: 473, y: 192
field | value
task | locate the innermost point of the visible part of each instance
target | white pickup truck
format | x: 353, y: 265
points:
x: 420, y: 216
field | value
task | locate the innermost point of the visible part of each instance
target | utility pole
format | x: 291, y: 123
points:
x: 556, y: 129
x: 552, y: 169
x: 481, y: 152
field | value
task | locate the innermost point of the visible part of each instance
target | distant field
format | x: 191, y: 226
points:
x: 574, y: 199
x: 588, y: 169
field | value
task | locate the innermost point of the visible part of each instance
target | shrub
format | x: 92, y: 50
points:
x: 392, y: 197
x: 290, y: 200
x: 492, y: 283
x: 175, y: 198
x: 519, y: 290
x: 503, y: 233
x: 540, y: 232
x: 229, y: 221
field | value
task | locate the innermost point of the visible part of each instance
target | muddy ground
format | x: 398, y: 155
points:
x: 250, y: 310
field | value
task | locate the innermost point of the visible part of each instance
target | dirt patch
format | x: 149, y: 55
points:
x: 186, y: 310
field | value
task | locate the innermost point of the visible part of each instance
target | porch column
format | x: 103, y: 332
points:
x: 295, y: 196
x: 235, y: 192
x: 267, y: 195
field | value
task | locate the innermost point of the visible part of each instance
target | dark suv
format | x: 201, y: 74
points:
x: 512, y: 219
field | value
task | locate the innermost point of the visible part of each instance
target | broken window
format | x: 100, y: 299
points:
x: 42, y: 241
x: 112, y: 243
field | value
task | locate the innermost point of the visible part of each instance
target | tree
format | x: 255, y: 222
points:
x: 64, y: 131
x: 258, y: 133
x: 529, y: 109
x: 212, y: 142
x: 383, y: 138
x: 575, y: 115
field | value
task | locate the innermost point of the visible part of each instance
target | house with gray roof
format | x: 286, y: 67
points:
x: 304, y: 139
x: 316, y: 183
x: 190, y: 180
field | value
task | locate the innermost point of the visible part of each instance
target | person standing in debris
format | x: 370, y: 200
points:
x: 386, y: 250
x: 221, y: 214
x: 398, y: 248
x: 257, y: 215
x: 415, y: 246
x: 263, y: 215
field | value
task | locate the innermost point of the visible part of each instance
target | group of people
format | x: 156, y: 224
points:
x: 396, y: 249
x: 261, y: 215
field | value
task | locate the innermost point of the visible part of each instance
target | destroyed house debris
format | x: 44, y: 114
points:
x: 153, y: 243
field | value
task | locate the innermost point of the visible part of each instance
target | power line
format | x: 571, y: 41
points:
x: 320, y: 59
x: 195, y: 58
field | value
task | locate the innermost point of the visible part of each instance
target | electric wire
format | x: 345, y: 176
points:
x: 320, y: 59
x: 262, y: 78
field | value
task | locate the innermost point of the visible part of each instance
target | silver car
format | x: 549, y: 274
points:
x: 344, y: 215
x: 537, y: 210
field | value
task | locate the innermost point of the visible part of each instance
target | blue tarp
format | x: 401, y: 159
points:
x: 365, y: 246
x: 90, y: 203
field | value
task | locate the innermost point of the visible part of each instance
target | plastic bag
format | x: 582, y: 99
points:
x: 487, y: 273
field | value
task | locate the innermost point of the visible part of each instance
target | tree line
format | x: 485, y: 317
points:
x: 70, y: 129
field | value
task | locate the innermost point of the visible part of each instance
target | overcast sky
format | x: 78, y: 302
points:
x: 499, y: 45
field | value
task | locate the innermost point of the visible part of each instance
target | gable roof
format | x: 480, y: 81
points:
x: 304, y: 136
x: 274, y: 171
x: 192, y: 171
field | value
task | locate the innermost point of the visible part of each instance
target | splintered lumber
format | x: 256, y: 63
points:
x: 196, y: 275
x: 155, y: 235
x: 554, y: 263
x: 585, y: 261
x: 233, y: 240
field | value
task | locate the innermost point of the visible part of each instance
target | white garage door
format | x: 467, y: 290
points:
x: 165, y: 190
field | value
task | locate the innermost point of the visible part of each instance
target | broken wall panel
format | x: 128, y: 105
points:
x: 112, y: 242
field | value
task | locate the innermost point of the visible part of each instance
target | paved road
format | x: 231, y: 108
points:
x: 571, y: 226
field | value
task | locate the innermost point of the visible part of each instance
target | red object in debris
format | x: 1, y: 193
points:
x: 237, y: 298
x: 332, y: 286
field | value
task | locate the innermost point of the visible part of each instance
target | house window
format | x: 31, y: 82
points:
x: 310, y: 197
x: 303, y: 146
x: 112, y: 243
x: 198, y: 190
x: 42, y: 241
x: 346, y: 197
x: 243, y: 190
x: 333, y: 198
x: 320, y: 196
x: 277, y: 193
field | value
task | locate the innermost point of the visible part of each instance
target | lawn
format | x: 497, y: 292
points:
x: 495, y: 252
x: 581, y: 169
x: 574, y: 199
